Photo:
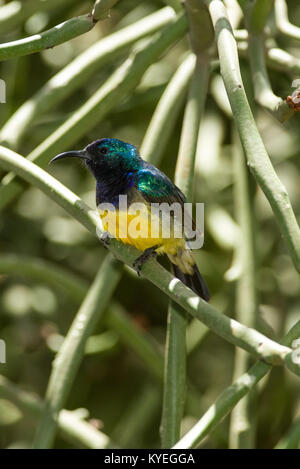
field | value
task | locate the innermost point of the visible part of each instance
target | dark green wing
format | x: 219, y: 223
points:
x: 155, y: 186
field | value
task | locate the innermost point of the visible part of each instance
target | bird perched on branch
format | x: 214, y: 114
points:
x: 120, y: 171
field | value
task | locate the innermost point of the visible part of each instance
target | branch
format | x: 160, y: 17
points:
x: 281, y: 60
x: 77, y: 72
x: 260, y: 11
x: 71, y: 426
x: 229, y: 398
x: 292, y: 439
x: 175, y: 4
x: 184, y: 173
x: 42, y: 270
x: 68, y: 359
x: 262, y: 87
x: 76, y: 287
x: 16, y: 12
x: 195, y: 334
x: 174, y: 392
x: 241, y: 34
x: 222, y: 406
x: 117, y: 87
x: 235, y: 12
x: 200, y: 26
x: 258, y: 159
x: 116, y: 318
x: 231, y: 330
x: 256, y: 17
x: 241, y: 433
x: 282, y: 20
x: 166, y: 112
x: 277, y: 59
x: 63, y: 32
x: 102, y: 8
x: 175, y: 361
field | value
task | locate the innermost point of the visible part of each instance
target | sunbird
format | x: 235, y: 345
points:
x: 119, y: 170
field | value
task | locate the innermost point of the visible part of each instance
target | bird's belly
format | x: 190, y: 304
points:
x: 139, y: 231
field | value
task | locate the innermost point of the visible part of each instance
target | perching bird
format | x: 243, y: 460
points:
x: 119, y: 170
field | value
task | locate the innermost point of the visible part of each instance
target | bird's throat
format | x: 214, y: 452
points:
x: 109, y: 189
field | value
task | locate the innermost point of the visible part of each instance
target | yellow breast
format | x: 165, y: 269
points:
x: 139, y: 230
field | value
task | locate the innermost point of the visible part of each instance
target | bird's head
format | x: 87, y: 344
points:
x: 106, y: 155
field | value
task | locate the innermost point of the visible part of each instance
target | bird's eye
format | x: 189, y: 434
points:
x: 103, y: 150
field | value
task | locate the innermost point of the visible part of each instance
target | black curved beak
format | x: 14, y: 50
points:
x: 71, y: 154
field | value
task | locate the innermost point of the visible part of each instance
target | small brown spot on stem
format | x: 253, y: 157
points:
x: 294, y: 101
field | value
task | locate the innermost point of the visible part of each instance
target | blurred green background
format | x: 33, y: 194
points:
x: 122, y: 397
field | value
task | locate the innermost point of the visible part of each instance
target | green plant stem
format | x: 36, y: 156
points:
x: 201, y: 30
x: 167, y: 111
x: 232, y: 331
x: 223, y: 405
x: 77, y: 287
x: 153, y: 145
x: 184, y: 173
x: 257, y: 156
x: 292, y: 439
x: 229, y: 398
x: 243, y: 4
x: 260, y: 11
x: 69, y: 357
x: 263, y: 92
x: 174, y: 376
x: 256, y: 17
x: 15, y: 12
x: 71, y: 426
x: 44, y: 271
x: 281, y: 60
x: 195, y: 334
x: 235, y: 12
x: 175, y: 356
x: 242, y: 423
x: 116, y: 318
x: 116, y: 88
x: 175, y: 4
x: 282, y: 20
x: 53, y: 37
x: 102, y: 8
x: 241, y: 34
x: 277, y: 59
x: 77, y: 72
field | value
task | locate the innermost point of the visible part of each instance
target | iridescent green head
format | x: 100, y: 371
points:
x: 114, y: 154
x: 107, y: 155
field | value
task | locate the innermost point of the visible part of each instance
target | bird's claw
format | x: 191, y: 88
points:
x: 139, y: 262
x: 105, y: 239
x: 137, y: 265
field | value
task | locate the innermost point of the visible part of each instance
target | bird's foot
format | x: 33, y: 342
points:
x: 147, y: 254
x: 105, y: 239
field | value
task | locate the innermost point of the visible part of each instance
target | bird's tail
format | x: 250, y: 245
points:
x: 186, y: 270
